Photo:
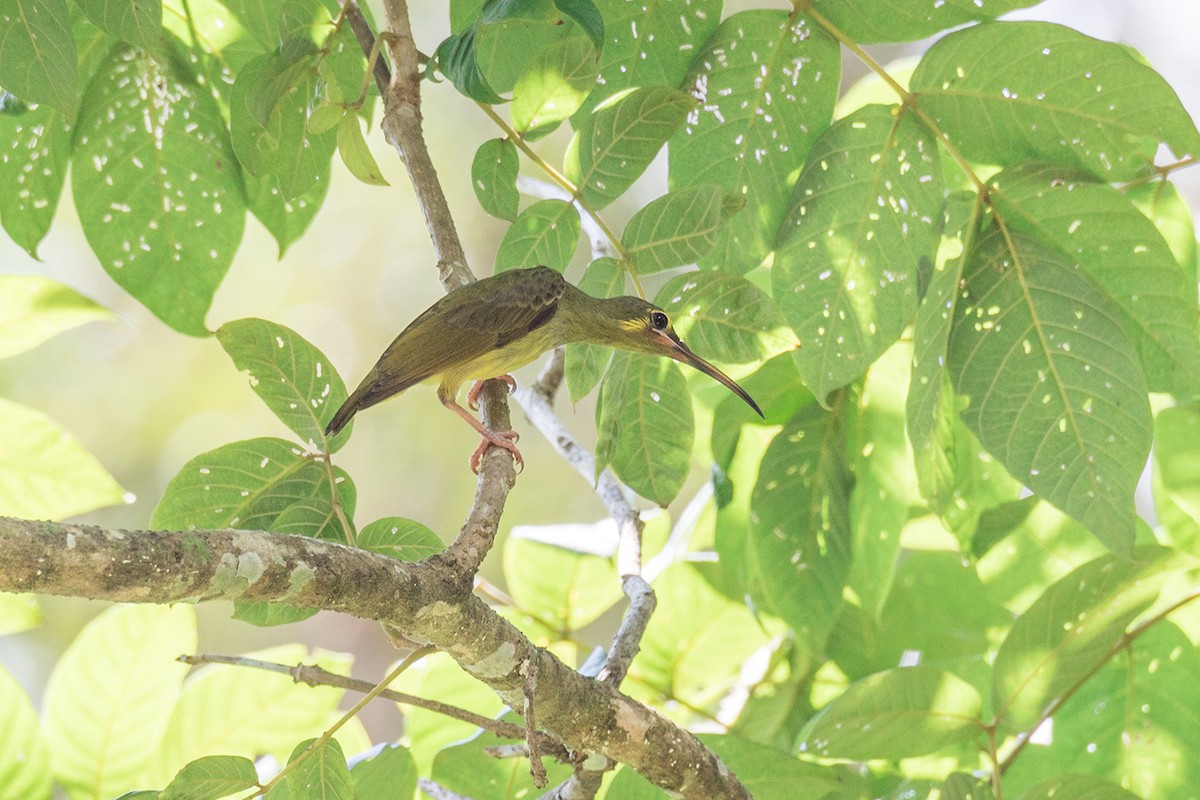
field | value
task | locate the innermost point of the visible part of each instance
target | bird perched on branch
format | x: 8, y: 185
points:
x: 493, y: 326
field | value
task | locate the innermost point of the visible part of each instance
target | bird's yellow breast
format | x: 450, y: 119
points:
x: 495, y: 363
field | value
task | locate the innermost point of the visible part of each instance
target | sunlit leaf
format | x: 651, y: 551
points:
x: 564, y: 588
x: 899, y: 713
x: 861, y: 20
x: 545, y: 234
x: 679, y: 228
x: 355, y: 154
x: 399, y: 538
x: 494, y: 177
x: 864, y: 219
x: 34, y: 308
x: 1054, y: 386
x: 322, y: 773
x: 138, y: 22
x: 24, y: 756
x: 389, y: 773
x: 45, y: 473
x: 112, y: 692
x: 211, y: 777
x: 554, y: 86
x: 725, y: 317
x: 1056, y: 95
x: 768, y: 80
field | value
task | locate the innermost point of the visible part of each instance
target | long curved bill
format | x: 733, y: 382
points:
x: 679, y: 351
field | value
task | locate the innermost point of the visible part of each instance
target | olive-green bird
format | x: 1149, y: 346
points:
x: 489, y: 328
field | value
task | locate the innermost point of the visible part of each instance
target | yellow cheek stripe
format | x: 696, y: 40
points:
x: 632, y: 324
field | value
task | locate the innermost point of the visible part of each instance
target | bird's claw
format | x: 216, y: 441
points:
x: 502, y: 439
x: 477, y: 389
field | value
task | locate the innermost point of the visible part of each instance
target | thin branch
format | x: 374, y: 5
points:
x: 366, y: 40
x: 424, y: 600
x: 536, y: 768
x: 438, y: 792
x: 314, y: 675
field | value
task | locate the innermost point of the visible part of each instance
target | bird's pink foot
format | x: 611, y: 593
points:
x: 477, y: 388
x: 504, y: 439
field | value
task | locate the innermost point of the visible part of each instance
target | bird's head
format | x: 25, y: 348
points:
x: 643, y: 327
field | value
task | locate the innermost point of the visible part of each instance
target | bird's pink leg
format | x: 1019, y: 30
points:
x: 503, y: 439
x: 477, y: 388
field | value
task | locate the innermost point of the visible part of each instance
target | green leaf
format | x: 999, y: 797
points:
x: 283, y: 147
x: 323, y: 773
x: 138, y: 22
x: 112, y: 692
x: 1177, y: 456
x: 399, y: 538
x: 243, y: 484
x: 697, y: 642
x: 1135, y: 722
x: 429, y: 733
x: 34, y: 309
x: 554, y: 86
x: 615, y: 144
x: 564, y: 589
x: 725, y: 317
x: 45, y: 473
x: 1071, y: 630
x: 276, y: 76
x: 679, y: 228
x: 36, y: 143
x: 644, y: 425
x: 771, y: 775
x: 355, y: 154
x: 861, y: 20
x: 545, y: 234
x: 584, y: 363
x: 246, y: 712
x: 800, y: 524
x: 769, y: 80
x: 1123, y: 252
x: 211, y: 777
x: 262, y: 614
x: 24, y: 757
x: 391, y: 773
x: 458, y: 61
x: 1050, y: 375
x: 464, y: 768
x: 864, y: 219
x: 494, y: 176
x: 505, y: 48
x: 899, y: 713
x: 286, y: 219
x: 650, y: 44
x: 37, y: 53
x: 1078, y: 787
x: 586, y: 16
x: 293, y: 378
x: 18, y: 612
x: 1056, y: 95
x: 1163, y: 204
x: 157, y: 190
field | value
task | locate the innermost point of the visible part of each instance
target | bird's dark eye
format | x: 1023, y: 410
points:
x: 659, y: 320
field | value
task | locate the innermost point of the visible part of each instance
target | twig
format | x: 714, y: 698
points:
x: 314, y: 675
x: 536, y: 768
x: 366, y: 40
x: 438, y: 792
x: 628, y: 639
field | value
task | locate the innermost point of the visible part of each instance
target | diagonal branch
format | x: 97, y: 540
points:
x: 422, y: 600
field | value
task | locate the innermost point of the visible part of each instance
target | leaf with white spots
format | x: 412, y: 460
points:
x: 157, y: 188
x: 1092, y: 223
x: 583, y: 363
x: 34, y: 308
x: 545, y: 234
x: 211, y: 777
x: 1071, y: 630
x: 1056, y: 95
x: 494, y: 178
x: 725, y: 317
x: 286, y: 220
x: 37, y: 53
x: 865, y: 217
x: 35, y: 147
x: 245, y: 484
x: 616, y: 142
x: 768, y: 81
x: 322, y: 774
x: 292, y: 377
x: 1054, y: 387
x: 644, y: 425
x: 400, y: 538
x: 45, y: 473
x: 897, y: 713
x: 679, y: 228
x: 863, y: 21
x: 650, y: 43
x: 800, y: 524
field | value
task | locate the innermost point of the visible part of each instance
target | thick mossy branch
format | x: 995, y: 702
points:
x: 425, y: 601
